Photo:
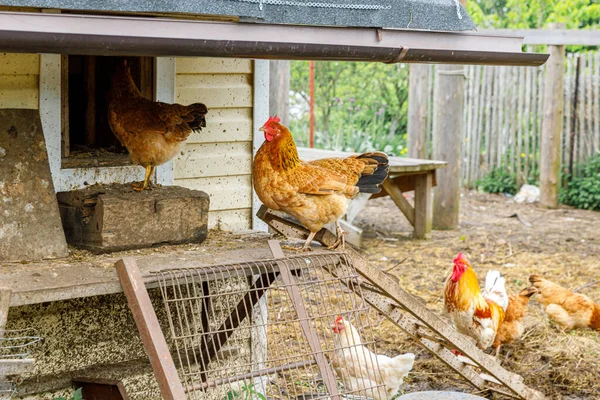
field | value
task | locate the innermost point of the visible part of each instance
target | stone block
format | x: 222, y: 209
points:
x: 30, y: 227
x: 115, y: 217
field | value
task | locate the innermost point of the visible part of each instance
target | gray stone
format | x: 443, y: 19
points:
x: 30, y: 227
x: 115, y: 217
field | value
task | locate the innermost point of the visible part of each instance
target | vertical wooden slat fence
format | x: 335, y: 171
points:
x: 503, y: 115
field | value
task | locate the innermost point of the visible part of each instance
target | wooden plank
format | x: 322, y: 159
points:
x: 64, y: 105
x: 5, y: 295
x: 417, y: 110
x: 596, y: 107
x: 19, y: 91
x: 589, y: 133
x: 309, y: 331
x: 396, y: 194
x: 279, y: 90
x: 147, y: 323
x: 207, y: 160
x: 501, y: 123
x: 213, y: 65
x: 552, y: 127
x: 89, y: 72
x: 19, y: 64
x: 527, y: 116
x: 423, y: 205
x: 519, y: 118
x: 11, y: 367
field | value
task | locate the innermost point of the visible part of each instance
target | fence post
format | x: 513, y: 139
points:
x: 279, y: 90
x: 417, y: 110
x: 552, y: 126
x: 448, y: 110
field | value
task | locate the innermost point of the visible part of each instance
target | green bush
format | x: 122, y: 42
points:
x: 498, y: 180
x: 583, y: 191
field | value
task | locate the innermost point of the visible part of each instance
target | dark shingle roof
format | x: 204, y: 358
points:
x: 443, y: 15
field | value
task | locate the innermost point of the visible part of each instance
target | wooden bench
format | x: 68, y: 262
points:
x: 405, y: 175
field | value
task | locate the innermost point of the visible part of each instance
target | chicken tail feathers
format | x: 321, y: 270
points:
x: 495, y: 289
x: 197, y: 112
x: 375, y: 172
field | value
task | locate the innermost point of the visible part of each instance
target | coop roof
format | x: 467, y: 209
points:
x: 444, y: 15
x: 110, y: 35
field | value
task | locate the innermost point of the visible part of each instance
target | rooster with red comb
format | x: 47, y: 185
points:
x: 474, y: 313
x: 316, y: 192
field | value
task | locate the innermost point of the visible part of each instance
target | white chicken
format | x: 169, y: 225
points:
x: 362, y: 372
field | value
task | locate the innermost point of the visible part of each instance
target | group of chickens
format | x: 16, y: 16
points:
x: 493, y: 318
x: 317, y: 193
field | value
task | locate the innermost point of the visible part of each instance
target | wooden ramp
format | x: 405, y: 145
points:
x: 414, y: 318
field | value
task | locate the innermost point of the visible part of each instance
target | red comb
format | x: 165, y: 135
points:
x: 460, y: 258
x: 339, y: 319
x: 274, y: 118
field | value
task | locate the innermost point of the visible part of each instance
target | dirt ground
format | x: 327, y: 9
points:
x: 563, y: 245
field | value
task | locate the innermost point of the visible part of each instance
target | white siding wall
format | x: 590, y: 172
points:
x: 19, y: 77
x: 218, y: 160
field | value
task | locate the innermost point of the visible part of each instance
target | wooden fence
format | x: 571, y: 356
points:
x: 503, y: 116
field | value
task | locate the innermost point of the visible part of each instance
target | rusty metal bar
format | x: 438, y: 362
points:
x: 104, y: 35
x: 307, y: 329
x: 149, y: 328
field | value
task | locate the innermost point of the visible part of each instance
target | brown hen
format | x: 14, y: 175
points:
x: 512, y: 327
x: 569, y: 310
x: 316, y: 192
x: 151, y: 131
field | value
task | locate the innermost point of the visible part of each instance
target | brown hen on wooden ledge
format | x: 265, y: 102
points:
x: 151, y: 131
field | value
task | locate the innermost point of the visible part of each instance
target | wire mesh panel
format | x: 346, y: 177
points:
x: 236, y: 331
x: 15, y: 345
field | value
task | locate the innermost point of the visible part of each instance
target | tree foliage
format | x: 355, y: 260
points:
x: 358, y: 106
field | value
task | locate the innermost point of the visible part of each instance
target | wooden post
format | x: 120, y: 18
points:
x: 279, y: 90
x: 311, y: 112
x: 552, y: 126
x: 417, y: 110
x: 448, y: 111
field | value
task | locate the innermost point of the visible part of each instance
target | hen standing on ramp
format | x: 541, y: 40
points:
x: 316, y: 192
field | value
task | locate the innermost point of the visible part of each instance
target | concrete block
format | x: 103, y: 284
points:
x: 115, y: 217
x: 30, y: 227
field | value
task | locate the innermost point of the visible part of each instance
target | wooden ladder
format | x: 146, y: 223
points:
x: 413, y: 317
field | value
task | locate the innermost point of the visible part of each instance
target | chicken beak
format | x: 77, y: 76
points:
x: 262, y: 129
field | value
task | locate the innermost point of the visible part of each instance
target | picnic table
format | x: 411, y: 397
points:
x: 404, y: 175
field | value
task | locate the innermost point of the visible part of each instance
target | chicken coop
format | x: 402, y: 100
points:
x: 63, y: 227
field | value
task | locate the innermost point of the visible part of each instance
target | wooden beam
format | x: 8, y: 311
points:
x: 448, y: 123
x: 398, y: 197
x: 12, y: 367
x: 89, y: 68
x: 147, y: 323
x: 417, y: 110
x: 423, y: 205
x: 552, y: 127
x: 5, y: 294
x: 555, y: 37
x: 279, y: 90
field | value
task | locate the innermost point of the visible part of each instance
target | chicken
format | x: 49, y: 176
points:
x: 475, y: 314
x: 569, y: 310
x: 512, y: 326
x: 316, y: 192
x: 151, y: 131
x: 358, y: 367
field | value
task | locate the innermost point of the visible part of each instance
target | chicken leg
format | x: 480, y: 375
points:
x: 340, y: 237
x: 147, y: 184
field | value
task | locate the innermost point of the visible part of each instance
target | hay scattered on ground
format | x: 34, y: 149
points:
x: 562, y: 245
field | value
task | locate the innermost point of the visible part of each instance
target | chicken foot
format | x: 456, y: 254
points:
x: 340, y: 233
x: 147, y: 184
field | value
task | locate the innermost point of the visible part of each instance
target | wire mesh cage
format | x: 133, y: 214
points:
x: 15, y: 346
x: 272, y: 329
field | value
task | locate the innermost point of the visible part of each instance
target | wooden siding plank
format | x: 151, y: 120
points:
x: 226, y: 192
x: 216, y: 91
x: 230, y: 220
x: 225, y: 125
x: 19, y: 91
x: 19, y: 64
x: 214, y: 159
x: 202, y: 65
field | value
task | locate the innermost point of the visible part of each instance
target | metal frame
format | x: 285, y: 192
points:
x: 104, y: 35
